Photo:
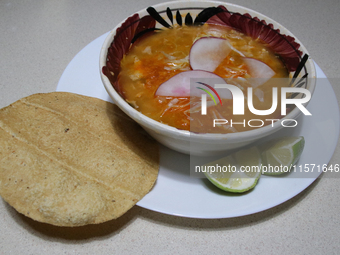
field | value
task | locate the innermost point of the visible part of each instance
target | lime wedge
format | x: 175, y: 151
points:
x: 280, y: 155
x: 238, y: 172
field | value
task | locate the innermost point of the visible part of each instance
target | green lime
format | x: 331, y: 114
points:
x: 280, y: 155
x: 238, y: 172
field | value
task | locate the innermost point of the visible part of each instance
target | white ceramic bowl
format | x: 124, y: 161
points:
x: 185, y: 141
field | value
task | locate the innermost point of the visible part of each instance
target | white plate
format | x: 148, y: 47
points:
x: 177, y: 193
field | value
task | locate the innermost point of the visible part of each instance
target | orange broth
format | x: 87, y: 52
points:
x: 156, y: 58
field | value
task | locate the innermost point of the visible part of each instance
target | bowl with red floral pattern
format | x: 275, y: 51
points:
x: 207, y: 77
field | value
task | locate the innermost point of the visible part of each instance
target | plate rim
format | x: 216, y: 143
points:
x: 95, y: 46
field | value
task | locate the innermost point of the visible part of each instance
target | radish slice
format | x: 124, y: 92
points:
x: 208, y: 52
x: 260, y: 94
x: 179, y: 85
x: 259, y: 70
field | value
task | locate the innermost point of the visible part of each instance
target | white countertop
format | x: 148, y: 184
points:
x: 39, y: 38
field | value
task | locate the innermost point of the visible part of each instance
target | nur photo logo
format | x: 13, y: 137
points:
x: 243, y: 101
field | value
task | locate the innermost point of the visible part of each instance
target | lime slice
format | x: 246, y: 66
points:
x: 280, y: 155
x: 238, y: 172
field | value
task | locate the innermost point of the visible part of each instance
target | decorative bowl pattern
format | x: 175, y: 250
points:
x: 165, y: 15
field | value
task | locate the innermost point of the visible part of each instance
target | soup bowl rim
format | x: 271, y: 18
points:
x: 175, y: 133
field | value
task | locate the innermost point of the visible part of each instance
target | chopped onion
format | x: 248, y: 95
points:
x: 259, y: 71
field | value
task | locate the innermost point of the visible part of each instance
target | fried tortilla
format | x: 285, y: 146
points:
x: 72, y: 160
